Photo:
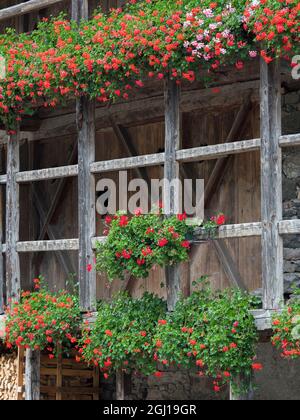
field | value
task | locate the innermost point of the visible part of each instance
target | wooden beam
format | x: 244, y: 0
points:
x: 242, y: 230
x: 24, y: 8
x: 171, y: 172
x: 221, y: 164
x: 128, y: 163
x: 32, y: 375
x: 63, y: 260
x: 59, y: 372
x: 139, y: 111
x: 85, y: 118
x: 120, y: 385
x: 228, y: 264
x: 291, y: 140
x: 48, y: 246
x: 2, y: 281
x: 289, y: 227
x: 47, y: 174
x: 218, y: 151
x: 271, y: 185
x: 241, y: 388
x: 20, y: 374
x: 13, y: 277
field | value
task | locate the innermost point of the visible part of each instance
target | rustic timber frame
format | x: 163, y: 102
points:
x: 271, y: 228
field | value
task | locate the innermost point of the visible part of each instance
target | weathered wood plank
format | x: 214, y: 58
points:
x: 228, y: 264
x: 271, y: 185
x: 23, y: 8
x: 20, y: 374
x: 85, y: 120
x: 128, y: 163
x: 13, y: 277
x: 47, y: 174
x: 289, y: 227
x: 290, y: 140
x: 171, y: 172
x: 48, y: 246
x: 217, y: 151
x: 2, y: 281
x: 32, y: 375
x: 59, y: 373
x: 120, y: 385
x: 242, y: 230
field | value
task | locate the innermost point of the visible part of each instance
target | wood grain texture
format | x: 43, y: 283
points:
x: 171, y: 172
x: 13, y: 276
x: 23, y: 8
x: 32, y: 375
x: 271, y: 185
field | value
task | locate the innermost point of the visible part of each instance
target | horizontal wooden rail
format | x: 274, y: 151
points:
x: 47, y: 174
x: 23, y: 8
x: 185, y: 155
x: 243, y: 230
x: 128, y: 163
x: 289, y: 227
x: 217, y: 151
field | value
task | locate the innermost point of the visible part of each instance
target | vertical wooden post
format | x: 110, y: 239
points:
x: 171, y: 172
x: 85, y: 117
x: 120, y: 385
x: 1, y: 242
x: 13, y: 281
x: 32, y: 375
x: 20, y: 374
x: 59, y: 375
x: 242, y: 389
x: 271, y: 185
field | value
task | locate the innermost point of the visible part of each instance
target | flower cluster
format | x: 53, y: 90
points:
x: 108, y: 56
x: 286, y: 327
x: 211, y: 332
x: 42, y: 320
x: 136, y: 245
x: 214, y: 332
x: 123, y: 335
x: 275, y: 25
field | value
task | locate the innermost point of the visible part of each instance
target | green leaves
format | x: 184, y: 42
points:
x: 137, y: 244
x: 122, y: 336
x: 286, y: 328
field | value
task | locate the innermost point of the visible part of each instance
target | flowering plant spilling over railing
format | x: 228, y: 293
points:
x: 136, y: 244
x: 43, y: 320
x: 214, y: 332
x: 286, y: 327
x: 109, y: 55
x: 122, y: 336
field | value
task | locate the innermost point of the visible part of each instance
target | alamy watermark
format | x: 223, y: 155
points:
x: 177, y: 196
x: 2, y: 67
x: 296, y: 67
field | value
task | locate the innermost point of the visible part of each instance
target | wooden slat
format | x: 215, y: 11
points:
x: 13, y: 277
x: 85, y: 118
x: 48, y: 246
x: 184, y: 155
x: 59, y: 373
x: 120, y: 385
x: 32, y: 375
x: 70, y: 390
x: 2, y: 281
x: 128, y: 163
x: 47, y: 174
x: 290, y: 140
x: 228, y: 264
x: 67, y: 372
x: 171, y: 172
x: 289, y: 227
x: 271, y: 185
x: 96, y: 383
x: 20, y: 374
x: 23, y: 8
x: 217, y: 151
x: 243, y: 230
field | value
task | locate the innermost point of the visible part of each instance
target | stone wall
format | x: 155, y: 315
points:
x: 291, y: 188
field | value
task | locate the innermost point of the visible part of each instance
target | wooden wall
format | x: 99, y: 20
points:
x: 238, y: 195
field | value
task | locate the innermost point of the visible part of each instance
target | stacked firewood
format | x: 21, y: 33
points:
x: 8, y: 377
